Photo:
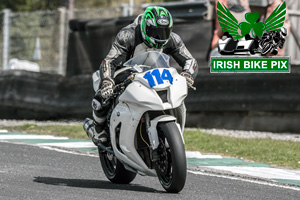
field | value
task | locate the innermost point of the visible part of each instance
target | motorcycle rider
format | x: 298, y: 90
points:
x: 274, y: 38
x: 151, y: 31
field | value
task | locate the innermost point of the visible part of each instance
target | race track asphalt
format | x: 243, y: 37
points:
x: 31, y: 172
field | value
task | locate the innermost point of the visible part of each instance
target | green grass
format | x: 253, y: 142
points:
x: 273, y: 152
x: 71, y: 131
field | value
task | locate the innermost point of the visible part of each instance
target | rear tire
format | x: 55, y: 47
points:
x: 114, y: 170
x: 171, y: 165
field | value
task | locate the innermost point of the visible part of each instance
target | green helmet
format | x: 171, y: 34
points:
x: 156, y: 26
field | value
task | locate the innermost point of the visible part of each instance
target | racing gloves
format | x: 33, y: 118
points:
x: 189, y: 78
x: 106, y: 89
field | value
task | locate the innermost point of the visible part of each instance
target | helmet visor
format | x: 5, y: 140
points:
x: 158, y: 33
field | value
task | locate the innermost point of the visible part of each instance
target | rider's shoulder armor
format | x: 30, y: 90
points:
x: 129, y: 36
x: 125, y: 38
x: 174, y: 42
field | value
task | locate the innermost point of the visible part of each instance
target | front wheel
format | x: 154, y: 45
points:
x: 114, y: 170
x: 171, y: 165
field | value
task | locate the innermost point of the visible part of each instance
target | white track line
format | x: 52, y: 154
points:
x: 31, y: 137
x: 262, y: 172
x: 68, y: 151
x: 3, y: 131
x: 197, y: 154
x: 246, y: 180
x: 69, y: 144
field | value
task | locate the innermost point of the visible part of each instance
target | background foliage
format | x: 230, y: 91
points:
x: 33, y: 5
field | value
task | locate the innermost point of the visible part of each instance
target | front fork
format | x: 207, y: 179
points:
x: 152, y: 138
x: 151, y: 129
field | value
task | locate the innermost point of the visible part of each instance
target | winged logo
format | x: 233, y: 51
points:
x: 230, y: 24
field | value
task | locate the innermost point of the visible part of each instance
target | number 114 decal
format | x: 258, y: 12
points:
x: 158, y: 76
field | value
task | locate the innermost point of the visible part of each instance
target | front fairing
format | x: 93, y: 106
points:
x: 142, y: 96
x: 140, y: 92
x: 154, y: 76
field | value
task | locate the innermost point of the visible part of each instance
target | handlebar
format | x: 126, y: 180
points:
x: 118, y: 89
x: 192, y: 87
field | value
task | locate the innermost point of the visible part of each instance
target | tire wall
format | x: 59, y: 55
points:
x: 29, y: 95
x: 262, y: 102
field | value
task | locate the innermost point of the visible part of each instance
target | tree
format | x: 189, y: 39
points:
x: 31, y: 5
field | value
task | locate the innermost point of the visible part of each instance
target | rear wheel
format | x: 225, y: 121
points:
x: 114, y: 170
x: 171, y: 165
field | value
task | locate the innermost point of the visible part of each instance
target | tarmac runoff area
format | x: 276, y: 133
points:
x: 213, y: 165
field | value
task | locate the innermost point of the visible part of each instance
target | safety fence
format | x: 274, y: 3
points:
x: 293, y: 40
x: 30, y: 36
x: 38, y: 40
x: 1, y: 38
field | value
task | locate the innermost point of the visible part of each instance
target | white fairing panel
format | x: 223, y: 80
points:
x: 155, y: 87
x: 127, y: 153
x: 137, y: 99
x: 96, y: 80
x: 140, y: 92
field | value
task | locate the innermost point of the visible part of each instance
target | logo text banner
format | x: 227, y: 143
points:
x: 232, y: 64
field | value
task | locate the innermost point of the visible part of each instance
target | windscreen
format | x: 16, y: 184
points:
x: 149, y: 60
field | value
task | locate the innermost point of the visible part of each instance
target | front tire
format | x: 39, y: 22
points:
x: 114, y: 170
x: 171, y: 165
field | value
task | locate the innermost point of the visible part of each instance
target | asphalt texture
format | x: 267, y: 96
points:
x: 30, y: 172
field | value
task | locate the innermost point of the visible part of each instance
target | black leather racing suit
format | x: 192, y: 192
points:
x: 129, y: 42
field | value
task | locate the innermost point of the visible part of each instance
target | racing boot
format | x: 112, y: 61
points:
x: 95, y: 131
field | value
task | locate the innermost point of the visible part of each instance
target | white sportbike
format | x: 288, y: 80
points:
x: 146, y: 123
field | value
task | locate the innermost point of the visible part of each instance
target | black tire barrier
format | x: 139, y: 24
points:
x: 263, y: 102
x: 30, y: 95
